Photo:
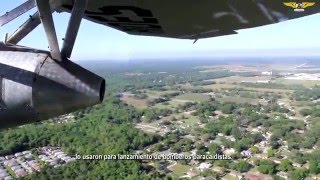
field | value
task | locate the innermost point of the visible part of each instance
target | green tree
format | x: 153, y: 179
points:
x: 214, y: 148
x: 254, y: 149
x: 270, y: 153
x: 243, y: 166
x: 299, y: 173
x: 285, y: 165
x: 314, y: 166
x: 267, y: 167
x: 209, y: 173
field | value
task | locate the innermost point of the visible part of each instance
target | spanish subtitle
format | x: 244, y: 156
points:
x: 152, y: 157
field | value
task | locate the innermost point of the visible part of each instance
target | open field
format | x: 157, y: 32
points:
x: 148, y: 127
x: 192, y: 97
x: 239, y: 67
x: 180, y: 169
x: 305, y: 83
x: 138, y: 103
x: 239, y: 100
x: 157, y: 94
x: 221, y: 86
x: 186, y: 86
x: 188, y: 119
x: 182, y: 99
x: 237, y: 79
x: 267, y: 90
x: 171, y: 104
x: 229, y: 177
x: 252, y: 89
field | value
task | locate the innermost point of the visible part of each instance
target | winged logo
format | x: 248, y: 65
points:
x: 299, y: 7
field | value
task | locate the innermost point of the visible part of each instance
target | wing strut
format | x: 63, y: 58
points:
x: 73, y: 27
x: 44, y: 16
x: 45, y: 13
x: 16, y: 12
x: 30, y: 25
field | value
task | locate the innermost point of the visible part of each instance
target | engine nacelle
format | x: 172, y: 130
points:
x: 34, y: 87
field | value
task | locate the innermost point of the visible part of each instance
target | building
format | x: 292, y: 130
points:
x: 191, y: 174
x: 283, y: 174
x: 251, y: 177
x: 263, y: 81
x: 246, y: 153
x: 204, y: 166
x: 266, y: 73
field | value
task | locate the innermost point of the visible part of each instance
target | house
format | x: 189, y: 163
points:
x: 255, y: 130
x: 14, y: 168
x: 220, y: 134
x: 261, y: 156
x: 21, y: 173
x: 251, y: 177
x: 204, y: 166
x: 10, y: 163
x: 296, y: 165
x: 36, y: 166
x: 266, y: 73
x: 235, y: 174
x: 18, y: 154
x: 53, y: 163
x: 2, y: 159
x: 29, y: 157
x: 246, y: 153
x: 65, y: 158
x: 229, y: 152
x: 9, y: 156
x: 283, y: 174
x: 59, y: 154
x: 56, y: 166
x: 263, y: 81
x: 231, y: 138
x: 191, y: 174
x: 3, y: 175
x: 26, y: 152
x: 263, y: 143
x: 70, y: 160
x: 275, y: 160
x: 219, y: 170
x: 194, y: 162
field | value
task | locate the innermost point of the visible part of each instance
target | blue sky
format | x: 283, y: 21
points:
x: 96, y: 42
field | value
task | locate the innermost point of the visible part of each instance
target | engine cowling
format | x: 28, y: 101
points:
x: 34, y: 87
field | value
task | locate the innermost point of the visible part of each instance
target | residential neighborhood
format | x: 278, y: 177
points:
x: 23, y: 163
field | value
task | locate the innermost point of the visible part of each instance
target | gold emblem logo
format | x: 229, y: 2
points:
x: 299, y: 7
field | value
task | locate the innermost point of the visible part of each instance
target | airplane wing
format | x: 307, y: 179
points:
x: 188, y: 19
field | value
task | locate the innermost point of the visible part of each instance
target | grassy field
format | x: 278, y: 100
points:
x: 191, y: 120
x: 188, y: 119
x: 267, y: 90
x: 192, y: 97
x: 172, y: 104
x: 238, y: 100
x: 180, y: 169
x: 305, y: 83
x: 221, y: 86
x: 182, y: 99
x: 157, y: 94
x: 138, y: 103
x: 229, y: 177
x: 237, y: 79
